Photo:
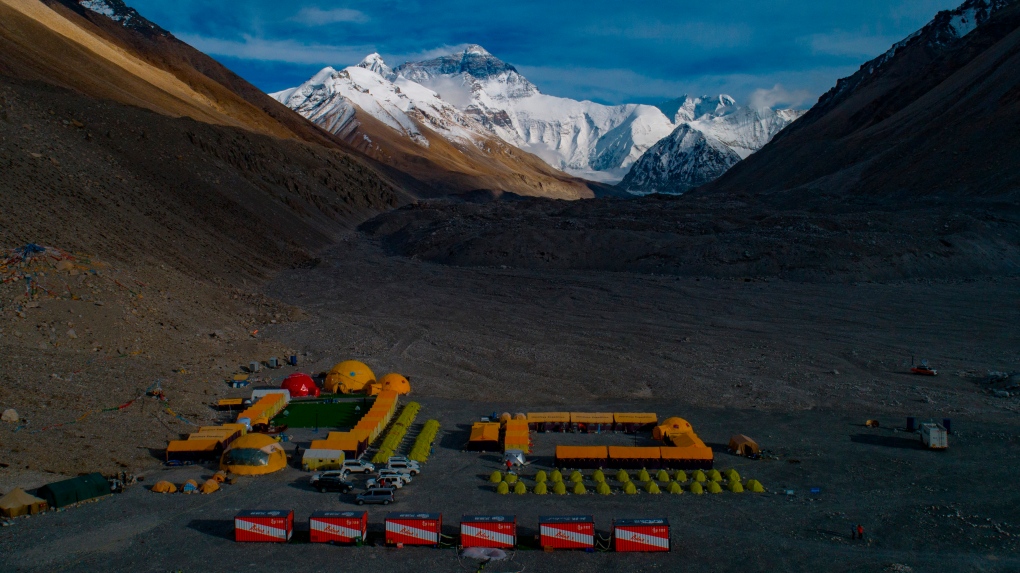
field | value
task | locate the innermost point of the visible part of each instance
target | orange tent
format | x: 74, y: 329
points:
x: 634, y: 457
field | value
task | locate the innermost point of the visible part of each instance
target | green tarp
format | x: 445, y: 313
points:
x: 81, y: 488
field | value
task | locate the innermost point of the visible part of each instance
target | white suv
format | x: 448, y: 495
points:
x: 408, y: 467
x: 391, y: 475
x: 358, y: 467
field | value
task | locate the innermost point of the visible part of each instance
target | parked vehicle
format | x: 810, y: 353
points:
x: 402, y: 459
x: 358, y: 467
x: 337, y: 473
x: 333, y: 482
x: 410, y: 467
x: 383, y: 482
x: 394, y: 475
x: 377, y: 495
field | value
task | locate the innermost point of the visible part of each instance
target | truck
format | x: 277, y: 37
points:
x: 934, y: 436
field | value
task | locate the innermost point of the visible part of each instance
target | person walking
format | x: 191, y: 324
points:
x: 860, y: 532
x: 853, y: 532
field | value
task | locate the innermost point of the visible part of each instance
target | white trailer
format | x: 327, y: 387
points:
x: 934, y: 436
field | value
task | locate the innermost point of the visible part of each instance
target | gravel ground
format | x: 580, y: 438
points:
x: 797, y: 366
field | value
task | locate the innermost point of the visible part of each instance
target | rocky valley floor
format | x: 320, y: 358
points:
x: 798, y: 366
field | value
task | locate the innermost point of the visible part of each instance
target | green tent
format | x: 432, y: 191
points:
x: 81, y: 488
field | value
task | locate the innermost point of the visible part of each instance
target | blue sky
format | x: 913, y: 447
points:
x: 784, y: 52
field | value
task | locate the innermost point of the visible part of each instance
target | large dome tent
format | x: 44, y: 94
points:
x: 671, y: 426
x: 348, y: 377
x: 300, y: 385
x: 253, y: 454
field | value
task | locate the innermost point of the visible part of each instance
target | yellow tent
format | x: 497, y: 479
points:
x: 671, y: 426
x: 254, y: 454
x: 396, y: 383
x: 164, y: 487
x: 17, y: 502
x: 210, y: 486
x: 348, y: 377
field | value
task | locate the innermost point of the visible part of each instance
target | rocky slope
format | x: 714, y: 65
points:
x: 171, y: 195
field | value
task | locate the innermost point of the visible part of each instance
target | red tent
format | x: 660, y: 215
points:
x: 299, y: 385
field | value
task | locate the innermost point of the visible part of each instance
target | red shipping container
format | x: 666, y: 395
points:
x: 641, y: 534
x: 413, y: 528
x: 488, y: 531
x: 567, y: 532
x: 337, y: 526
x: 275, y: 525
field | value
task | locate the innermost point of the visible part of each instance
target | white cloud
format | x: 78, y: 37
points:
x: 320, y: 17
x: 290, y: 51
x: 445, y: 50
x: 778, y: 96
x: 624, y: 85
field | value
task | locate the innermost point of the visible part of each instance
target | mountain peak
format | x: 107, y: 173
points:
x: 374, y: 62
x: 475, y: 50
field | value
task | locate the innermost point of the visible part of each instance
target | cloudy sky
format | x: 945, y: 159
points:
x: 777, y: 52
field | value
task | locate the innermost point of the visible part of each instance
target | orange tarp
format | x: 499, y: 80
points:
x: 484, y: 432
x: 346, y: 442
x: 549, y: 417
x: 684, y: 440
x: 686, y: 453
x: 579, y: 452
x: 521, y: 425
x: 634, y: 453
x: 635, y: 418
x: 238, y: 427
x: 206, y: 445
x: 591, y: 417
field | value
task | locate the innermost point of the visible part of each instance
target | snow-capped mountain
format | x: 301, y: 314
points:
x: 472, y: 96
x: 713, y: 134
x: 583, y: 138
x: 679, y: 162
x: 330, y: 99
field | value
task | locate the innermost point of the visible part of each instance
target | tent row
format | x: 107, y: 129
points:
x: 378, y: 416
x: 207, y: 443
x: 330, y: 453
x: 591, y: 422
x: 692, y: 457
x: 268, y: 405
x: 517, y: 436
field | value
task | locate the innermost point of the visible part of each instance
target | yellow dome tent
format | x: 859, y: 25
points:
x: 396, y: 383
x: 348, y: 377
x: 253, y: 454
x: 209, y: 486
x: 164, y: 487
x: 671, y: 426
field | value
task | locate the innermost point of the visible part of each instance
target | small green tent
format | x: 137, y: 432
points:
x: 81, y: 488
